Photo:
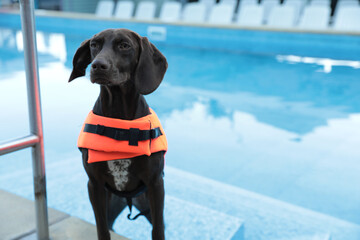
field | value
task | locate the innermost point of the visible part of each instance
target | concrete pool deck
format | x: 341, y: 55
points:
x: 196, y: 207
x: 18, y: 222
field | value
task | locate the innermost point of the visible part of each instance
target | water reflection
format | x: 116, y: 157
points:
x: 328, y: 64
x: 47, y: 43
x: 279, y: 129
x: 245, y: 148
x: 7, y: 38
x: 51, y: 48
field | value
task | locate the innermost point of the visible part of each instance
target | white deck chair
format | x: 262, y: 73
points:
x: 320, y: 2
x: 170, y: 12
x: 222, y: 14
x: 245, y: 3
x: 251, y: 16
x: 315, y: 17
x: 104, y: 8
x: 209, y: 4
x: 124, y: 9
x: 356, y: 1
x: 268, y: 6
x: 347, y: 19
x: 145, y: 10
x: 194, y: 12
x: 345, y: 3
x: 248, y: 2
x: 229, y: 2
x: 282, y: 17
x: 298, y: 5
x: 348, y: 3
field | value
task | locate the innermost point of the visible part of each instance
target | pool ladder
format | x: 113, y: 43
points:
x: 35, y: 139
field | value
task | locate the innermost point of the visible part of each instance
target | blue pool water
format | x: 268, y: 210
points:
x: 279, y: 128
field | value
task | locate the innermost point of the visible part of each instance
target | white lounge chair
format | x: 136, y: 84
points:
x: 251, y: 16
x: 145, y: 11
x: 209, y: 4
x: 268, y: 6
x: 356, y: 1
x: 320, y: 2
x: 243, y: 3
x: 170, y: 12
x: 248, y: 2
x: 124, y: 9
x: 194, y: 12
x: 282, y: 17
x: 228, y: 2
x: 347, y: 3
x: 222, y: 14
x: 315, y: 17
x: 105, y: 8
x: 347, y: 19
x: 298, y: 5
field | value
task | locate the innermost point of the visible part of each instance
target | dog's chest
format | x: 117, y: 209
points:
x: 119, y: 169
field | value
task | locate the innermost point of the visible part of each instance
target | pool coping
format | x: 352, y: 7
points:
x: 21, y: 213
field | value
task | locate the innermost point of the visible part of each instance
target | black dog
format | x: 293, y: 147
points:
x: 126, y: 66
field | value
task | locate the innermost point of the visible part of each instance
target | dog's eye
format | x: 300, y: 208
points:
x: 93, y: 45
x: 124, y: 46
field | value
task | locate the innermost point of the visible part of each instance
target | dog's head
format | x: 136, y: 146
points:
x: 118, y: 56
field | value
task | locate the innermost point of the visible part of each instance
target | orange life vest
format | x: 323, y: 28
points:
x: 109, y: 138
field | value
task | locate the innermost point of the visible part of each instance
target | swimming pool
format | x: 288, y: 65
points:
x: 263, y: 128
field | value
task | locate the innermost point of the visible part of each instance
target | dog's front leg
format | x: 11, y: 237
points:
x: 97, y: 195
x: 156, y: 199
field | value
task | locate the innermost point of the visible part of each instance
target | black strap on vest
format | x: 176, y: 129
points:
x: 133, y: 135
x: 129, y: 196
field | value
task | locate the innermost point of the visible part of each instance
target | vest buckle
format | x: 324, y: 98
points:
x: 134, y: 136
x: 155, y: 133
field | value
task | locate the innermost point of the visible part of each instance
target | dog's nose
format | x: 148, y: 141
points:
x: 99, y: 64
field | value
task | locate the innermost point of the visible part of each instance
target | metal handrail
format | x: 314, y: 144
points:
x: 35, y: 139
x: 18, y: 144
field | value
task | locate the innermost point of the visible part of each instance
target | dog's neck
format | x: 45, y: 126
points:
x: 121, y: 102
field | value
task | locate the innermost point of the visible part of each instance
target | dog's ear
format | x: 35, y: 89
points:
x: 151, y: 67
x: 81, y: 60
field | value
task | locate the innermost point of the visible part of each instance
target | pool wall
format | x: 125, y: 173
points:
x: 324, y: 45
